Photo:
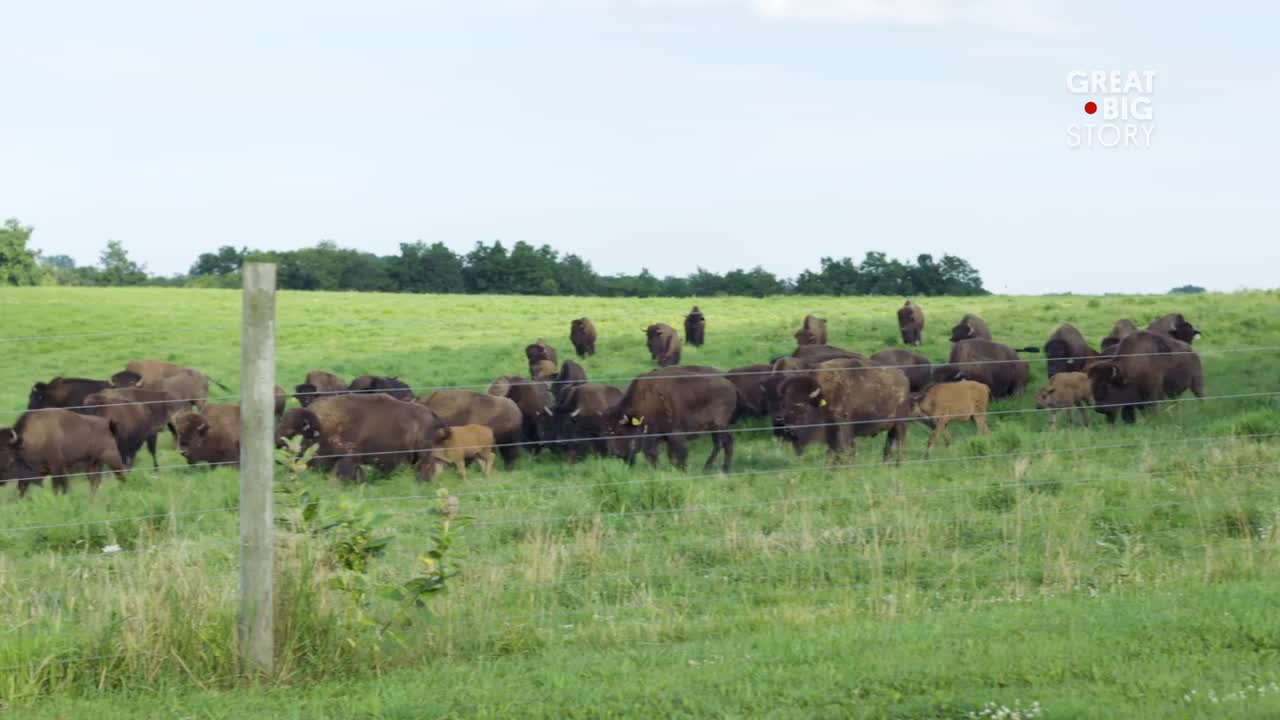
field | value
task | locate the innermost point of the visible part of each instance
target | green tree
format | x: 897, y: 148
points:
x: 1187, y: 290
x: 488, y: 269
x: 423, y: 269
x: 18, y: 264
x: 116, y: 268
x: 225, y: 261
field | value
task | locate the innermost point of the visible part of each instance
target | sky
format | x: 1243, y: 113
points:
x: 666, y: 134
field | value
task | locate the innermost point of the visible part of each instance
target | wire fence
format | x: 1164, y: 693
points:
x: 875, y: 542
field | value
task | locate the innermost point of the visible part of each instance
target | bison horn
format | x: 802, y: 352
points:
x: 815, y: 393
x: 548, y: 410
x: 575, y: 412
x: 1115, y: 372
x: 13, y: 436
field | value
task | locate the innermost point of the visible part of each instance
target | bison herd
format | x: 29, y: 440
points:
x: 818, y: 393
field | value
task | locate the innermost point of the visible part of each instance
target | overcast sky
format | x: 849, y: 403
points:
x: 658, y: 133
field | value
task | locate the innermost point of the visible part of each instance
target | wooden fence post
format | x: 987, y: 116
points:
x: 257, y: 426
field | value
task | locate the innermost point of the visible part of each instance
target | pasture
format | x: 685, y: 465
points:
x: 1101, y: 572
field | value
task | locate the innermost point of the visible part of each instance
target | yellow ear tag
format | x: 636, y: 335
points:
x: 822, y: 402
x: 635, y: 421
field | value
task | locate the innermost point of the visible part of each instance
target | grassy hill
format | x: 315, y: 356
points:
x: 1102, y: 572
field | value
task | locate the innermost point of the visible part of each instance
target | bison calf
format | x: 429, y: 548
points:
x: 951, y: 402
x: 462, y: 444
x: 1069, y: 391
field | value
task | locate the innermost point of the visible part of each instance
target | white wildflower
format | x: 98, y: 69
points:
x: 111, y: 549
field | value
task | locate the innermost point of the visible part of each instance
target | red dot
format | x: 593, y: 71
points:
x: 1091, y: 107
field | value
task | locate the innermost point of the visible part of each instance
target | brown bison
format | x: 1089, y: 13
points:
x: 318, y: 384
x: 911, y: 323
x: 664, y: 344
x: 373, y: 384
x: 1146, y: 368
x: 182, y: 387
x: 814, y: 354
x: 946, y: 403
x: 970, y: 327
x: 499, y: 414
x: 695, y: 327
x: 582, y: 333
x: 136, y: 417
x: 60, y: 443
x: 1121, y: 330
x: 532, y: 397
x: 210, y: 436
x: 63, y: 392
x: 671, y: 405
x: 1066, y: 391
x: 1067, y: 351
x: 750, y: 381
x: 915, y: 366
x: 581, y: 421
x: 813, y: 331
x: 844, y: 399
x: 468, y: 442
x: 1176, y: 327
x: 990, y: 363
x: 357, y: 430
x: 540, y: 351
x: 570, y: 375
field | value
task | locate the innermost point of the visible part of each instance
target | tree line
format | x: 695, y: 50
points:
x: 486, y: 268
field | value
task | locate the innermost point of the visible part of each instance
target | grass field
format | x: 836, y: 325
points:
x: 1099, y: 572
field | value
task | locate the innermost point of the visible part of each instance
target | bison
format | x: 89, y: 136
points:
x: 540, y: 351
x: 467, y: 442
x: 1067, y: 351
x: 532, y: 398
x: 813, y: 331
x: 210, y: 436
x: 1069, y: 391
x: 1176, y: 327
x: 582, y: 333
x: 911, y: 323
x: 63, y: 392
x: 1121, y: 330
x: 843, y: 399
x: 391, y: 385
x: 695, y: 327
x: 580, y: 420
x: 319, y: 383
x: 915, y: 366
x: 465, y: 407
x: 570, y: 375
x: 750, y: 379
x: 1146, y: 368
x: 970, y: 327
x: 357, y: 430
x: 664, y: 344
x: 59, y: 443
x: 950, y: 402
x: 670, y: 405
x: 137, y: 417
x: 813, y: 354
x: 990, y: 363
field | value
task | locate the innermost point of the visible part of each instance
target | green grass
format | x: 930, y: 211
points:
x: 1027, y: 565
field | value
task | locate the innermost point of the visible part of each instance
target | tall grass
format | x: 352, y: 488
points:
x: 599, y: 558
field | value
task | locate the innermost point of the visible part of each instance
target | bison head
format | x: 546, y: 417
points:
x: 298, y: 422
x: 126, y: 379
x: 305, y: 394
x: 38, y: 398
x: 963, y: 331
x: 191, y: 431
x: 1107, y: 381
x: 1183, y: 330
x: 801, y: 410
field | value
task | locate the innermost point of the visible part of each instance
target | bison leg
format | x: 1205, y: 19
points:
x: 348, y: 469
x: 726, y: 444
x: 716, y: 444
x: 678, y: 451
x: 510, y: 451
x: 486, y: 462
x: 980, y: 420
x: 1084, y: 415
x: 651, y: 451
x: 1129, y: 415
x: 460, y: 464
x: 933, y: 439
x: 24, y: 484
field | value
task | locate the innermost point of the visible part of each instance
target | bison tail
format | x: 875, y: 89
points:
x: 220, y: 385
x: 1027, y: 349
